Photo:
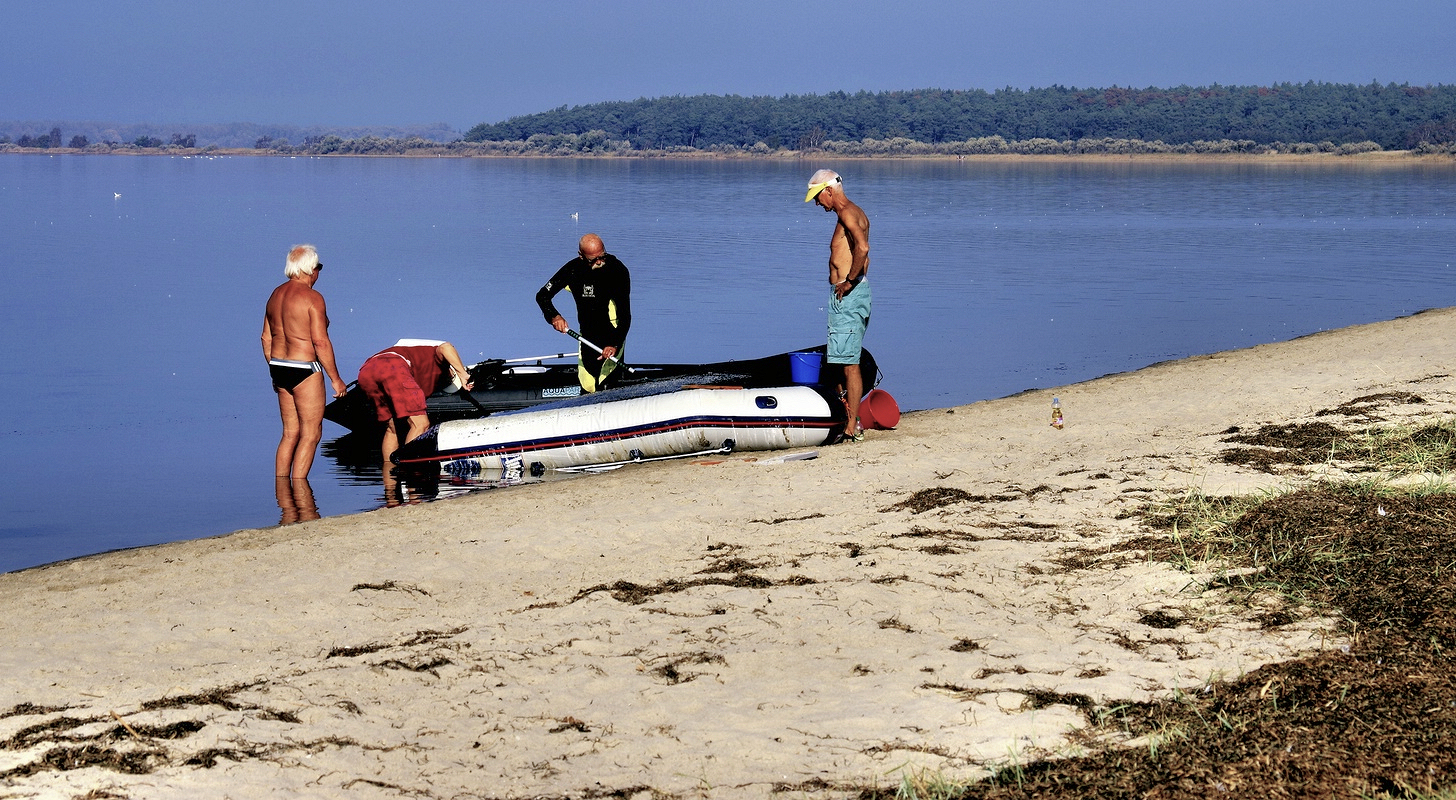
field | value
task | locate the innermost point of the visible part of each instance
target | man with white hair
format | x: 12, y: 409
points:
x: 297, y: 347
x: 849, y: 294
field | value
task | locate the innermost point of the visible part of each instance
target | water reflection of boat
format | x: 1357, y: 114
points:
x: 357, y: 462
x: 511, y: 384
x: 407, y: 487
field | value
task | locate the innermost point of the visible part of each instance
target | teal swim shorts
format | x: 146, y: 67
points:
x: 848, y: 319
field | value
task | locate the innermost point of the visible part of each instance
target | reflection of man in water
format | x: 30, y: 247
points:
x: 399, y: 493
x: 295, y: 500
x: 602, y: 288
x: 849, y: 293
x: 297, y: 347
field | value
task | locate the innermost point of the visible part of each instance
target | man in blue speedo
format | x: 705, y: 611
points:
x: 849, y: 293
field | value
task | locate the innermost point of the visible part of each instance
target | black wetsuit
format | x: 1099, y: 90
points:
x: 603, y: 307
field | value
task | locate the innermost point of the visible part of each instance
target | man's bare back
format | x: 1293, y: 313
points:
x: 296, y: 344
x: 292, y: 312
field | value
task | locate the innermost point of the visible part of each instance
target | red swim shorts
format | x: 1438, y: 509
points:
x: 390, y: 384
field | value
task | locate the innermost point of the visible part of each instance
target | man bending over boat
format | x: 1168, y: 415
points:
x: 849, y: 288
x: 397, y: 380
x: 602, y: 288
x: 297, y: 347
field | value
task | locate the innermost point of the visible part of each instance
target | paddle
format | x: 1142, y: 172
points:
x: 471, y: 398
x: 573, y: 334
x: 468, y: 396
x: 529, y: 359
x: 461, y: 390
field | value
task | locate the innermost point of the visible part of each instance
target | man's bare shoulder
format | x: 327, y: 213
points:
x: 293, y: 292
x: 851, y: 215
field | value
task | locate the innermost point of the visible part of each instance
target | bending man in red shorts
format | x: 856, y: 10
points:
x: 399, y: 378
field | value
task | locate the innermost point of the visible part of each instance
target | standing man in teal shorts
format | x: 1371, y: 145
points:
x: 849, y: 293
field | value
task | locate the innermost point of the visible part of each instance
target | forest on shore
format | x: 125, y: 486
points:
x: 1395, y: 117
x: 1312, y: 117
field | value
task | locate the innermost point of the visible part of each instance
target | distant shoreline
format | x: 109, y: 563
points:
x: 1377, y: 158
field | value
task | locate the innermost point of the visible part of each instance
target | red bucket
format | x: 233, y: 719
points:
x: 878, y: 410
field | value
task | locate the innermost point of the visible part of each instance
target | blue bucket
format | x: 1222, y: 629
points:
x: 804, y: 367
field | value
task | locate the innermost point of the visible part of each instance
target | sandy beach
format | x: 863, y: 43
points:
x: 724, y: 628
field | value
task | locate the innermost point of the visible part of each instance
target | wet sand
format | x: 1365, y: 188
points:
x: 713, y: 628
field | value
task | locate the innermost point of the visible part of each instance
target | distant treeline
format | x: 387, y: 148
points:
x: 597, y: 143
x: 1395, y: 117
x: 110, y: 135
x: 1342, y: 119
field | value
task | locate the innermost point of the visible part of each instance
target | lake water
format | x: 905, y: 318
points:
x: 142, y: 410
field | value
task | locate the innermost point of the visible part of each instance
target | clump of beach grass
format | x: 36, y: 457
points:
x: 925, y: 784
x: 1403, y: 449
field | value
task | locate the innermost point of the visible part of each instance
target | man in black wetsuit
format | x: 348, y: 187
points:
x: 602, y: 288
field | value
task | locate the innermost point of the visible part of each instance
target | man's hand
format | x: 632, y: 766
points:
x: 559, y: 324
x: 608, y: 352
x: 462, y: 377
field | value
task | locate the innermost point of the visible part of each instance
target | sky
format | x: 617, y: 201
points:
x: 390, y: 62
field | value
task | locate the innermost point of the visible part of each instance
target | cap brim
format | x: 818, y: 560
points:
x: 815, y: 189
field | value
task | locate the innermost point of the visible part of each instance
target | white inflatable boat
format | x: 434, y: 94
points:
x: 676, y: 423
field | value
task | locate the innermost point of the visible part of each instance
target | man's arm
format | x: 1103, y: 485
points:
x: 446, y: 354
x: 558, y: 282
x: 857, y: 229
x: 318, y: 328
x: 624, y: 309
x: 268, y: 312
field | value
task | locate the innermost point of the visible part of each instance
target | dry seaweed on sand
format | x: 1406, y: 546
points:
x: 1429, y: 447
x: 1272, y: 445
x: 941, y: 496
x: 1365, y: 407
x: 1372, y: 719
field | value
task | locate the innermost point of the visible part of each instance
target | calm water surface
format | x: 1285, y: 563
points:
x: 142, y: 412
